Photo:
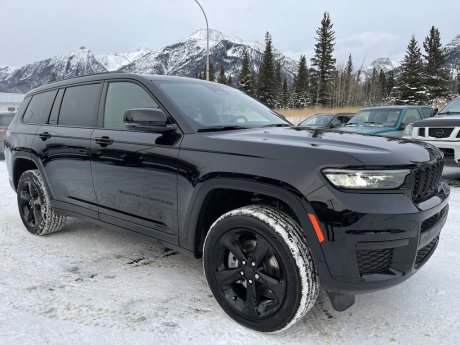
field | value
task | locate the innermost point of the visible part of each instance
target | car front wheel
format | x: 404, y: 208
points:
x: 260, y: 268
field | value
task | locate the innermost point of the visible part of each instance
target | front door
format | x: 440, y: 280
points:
x: 134, y: 173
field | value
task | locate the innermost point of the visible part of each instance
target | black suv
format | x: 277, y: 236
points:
x: 275, y: 210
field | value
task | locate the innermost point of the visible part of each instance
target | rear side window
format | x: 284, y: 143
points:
x: 39, y: 108
x: 122, y: 96
x: 80, y: 105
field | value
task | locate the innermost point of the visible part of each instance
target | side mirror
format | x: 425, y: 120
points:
x: 434, y: 112
x: 147, y: 120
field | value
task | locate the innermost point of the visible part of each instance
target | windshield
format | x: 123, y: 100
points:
x: 5, y: 120
x: 382, y: 117
x: 452, y: 107
x: 318, y: 120
x: 211, y: 105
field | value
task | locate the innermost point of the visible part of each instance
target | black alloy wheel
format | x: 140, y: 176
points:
x: 249, y: 273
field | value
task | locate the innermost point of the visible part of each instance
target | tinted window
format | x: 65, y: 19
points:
x: 318, y: 120
x: 122, y: 96
x: 79, y: 106
x: 373, y: 117
x: 39, y: 108
x: 212, y: 104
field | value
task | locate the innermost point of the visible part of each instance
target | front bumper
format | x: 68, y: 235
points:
x: 451, y: 150
x: 375, y: 241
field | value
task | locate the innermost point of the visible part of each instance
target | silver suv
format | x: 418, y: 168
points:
x: 442, y: 131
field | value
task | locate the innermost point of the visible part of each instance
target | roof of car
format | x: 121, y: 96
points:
x: 109, y: 75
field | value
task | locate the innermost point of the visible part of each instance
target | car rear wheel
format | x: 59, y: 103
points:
x: 260, y: 269
x: 34, y: 205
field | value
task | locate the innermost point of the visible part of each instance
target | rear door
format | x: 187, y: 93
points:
x: 64, y: 145
x: 134, y: 173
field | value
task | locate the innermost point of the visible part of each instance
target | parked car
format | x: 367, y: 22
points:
x: 442, y: 131
x: 5, y: 120
x: 275, y: 210
x: 327, y: 120
x: 387, y: 121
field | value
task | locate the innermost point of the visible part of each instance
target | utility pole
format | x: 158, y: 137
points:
x: 207, y: 40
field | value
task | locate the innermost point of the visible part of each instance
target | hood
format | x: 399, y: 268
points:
x: 439, y: 121
x: 323, y: 147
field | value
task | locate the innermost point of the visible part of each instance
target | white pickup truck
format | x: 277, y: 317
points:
x: 442, y: 131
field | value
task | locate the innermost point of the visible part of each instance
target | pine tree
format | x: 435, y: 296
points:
x: 437, y: 77
x: 382, y: 85
x: 211, y: 72
x: 230, y: 81
x: 266, y: 82
x: 348, y: 78
x: 222, y: 78
x: 52, y: 77
x: 285, y: 93
x: 458, y: 83
x: 245, y: 75
x: 390, y: 82
x: 323, y: 61
x: 411, y: 88
x: 300, y: 86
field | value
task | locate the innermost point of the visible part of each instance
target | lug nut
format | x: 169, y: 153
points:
x: 243, y: 262
x: 256, y: 276
x: 234, y: 298
x: 253, y: 263
x: 242, y: 273
x: 250, y: 281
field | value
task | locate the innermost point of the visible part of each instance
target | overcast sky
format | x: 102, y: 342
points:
x: 36, y: 29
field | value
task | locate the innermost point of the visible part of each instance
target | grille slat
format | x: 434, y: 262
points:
x: 426, y: 181
x: 440, y: 133
x: 374, y: 261
x: 424, y: 253
x: 422, y: 132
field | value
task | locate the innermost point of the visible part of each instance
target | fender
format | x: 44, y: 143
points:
x: 299, y: 204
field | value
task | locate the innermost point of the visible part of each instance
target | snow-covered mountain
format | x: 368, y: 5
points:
x: 113, y: 62
x: 75, y: 63
x: 184, y: 58
x: 188, y: 57
x: 453, y: 55
x: 385, y: 64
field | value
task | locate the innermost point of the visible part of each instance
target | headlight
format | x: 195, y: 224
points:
x: 366, y: 179
x: 407, y: 134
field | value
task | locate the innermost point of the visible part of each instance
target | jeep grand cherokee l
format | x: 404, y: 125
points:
x: 274, y: 210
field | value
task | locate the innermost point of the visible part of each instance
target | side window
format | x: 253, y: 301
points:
x: 122, y: 96
x: 410, y: 116
x: 39, y: 108
x: 80, y: 105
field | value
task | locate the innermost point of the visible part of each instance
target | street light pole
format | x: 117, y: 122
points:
x: 207, y: 40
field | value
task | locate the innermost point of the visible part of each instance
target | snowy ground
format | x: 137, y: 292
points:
x: 88, y: 285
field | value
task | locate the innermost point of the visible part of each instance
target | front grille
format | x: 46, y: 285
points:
x: 429, y: 222
x: 448, y: 153
x: 374, y: 261
x: 424, y: 254
x: 421, y: 132
x: 440, y: 132
x: 426, y: 181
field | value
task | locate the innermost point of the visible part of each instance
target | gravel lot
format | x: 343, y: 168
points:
x: 89, y: 285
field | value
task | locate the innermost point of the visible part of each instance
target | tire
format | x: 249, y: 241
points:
x: 257, y: 251
x: 34, y: 205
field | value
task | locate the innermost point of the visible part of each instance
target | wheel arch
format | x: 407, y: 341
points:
x: 23, y: 162
x: 197, y: 224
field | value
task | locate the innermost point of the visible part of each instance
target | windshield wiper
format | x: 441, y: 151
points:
x: 219, y: 128
x: 352, y: 124
x: 277, y: 125
x: 373, y: 123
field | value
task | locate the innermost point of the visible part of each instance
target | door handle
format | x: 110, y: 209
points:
x: 44, y: 136
x: 104, y: 141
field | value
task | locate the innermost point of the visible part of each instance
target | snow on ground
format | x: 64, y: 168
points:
x: 89, y: 285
